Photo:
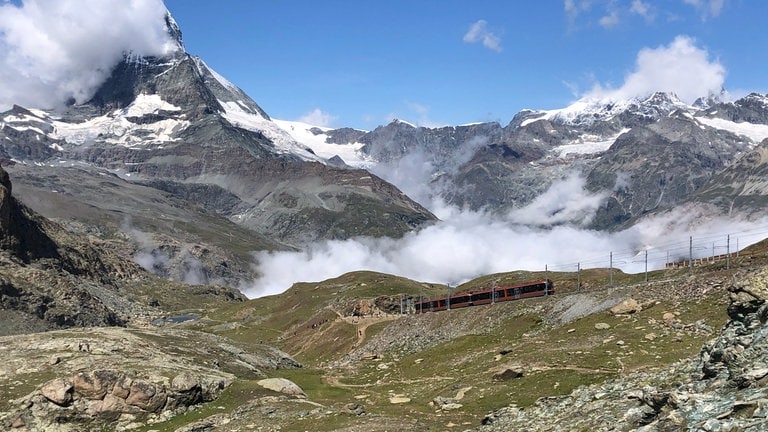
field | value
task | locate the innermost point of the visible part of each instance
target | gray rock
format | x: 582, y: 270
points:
x: 282, y: 385
x: 95, y: 385
x: 146, y: 396
x: 58, y: 391
x: 508, y: 374
x: 354, y: 409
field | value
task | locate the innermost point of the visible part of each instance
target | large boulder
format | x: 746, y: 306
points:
x: 58, y: 391
x: 282, y: 385
x: 628, y: 306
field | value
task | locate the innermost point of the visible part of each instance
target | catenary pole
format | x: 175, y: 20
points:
x: 690, y: 255
x: 646, y: 266
x: 611, y: 268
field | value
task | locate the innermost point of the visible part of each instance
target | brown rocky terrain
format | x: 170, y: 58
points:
x: 52, y: 278
x: 724, y: 388
x: 629, y: 356
x: 116, y: 378
x: 95, y: 342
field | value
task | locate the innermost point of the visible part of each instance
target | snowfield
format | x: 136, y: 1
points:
x: 350, y: 153
x: 239, y: 115
x: 755, y: 132
x: 115, y: 128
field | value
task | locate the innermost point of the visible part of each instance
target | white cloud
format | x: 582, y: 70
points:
x: 643, y: 9
x: 681, y: 68
x: 564, y: 202
x: 478, y: 32
x: 54, y: 50
x: 467, y: 244
x: 707, y: 8
x: 318, y: 117
x: 573, y: 8
x: 610, y: 20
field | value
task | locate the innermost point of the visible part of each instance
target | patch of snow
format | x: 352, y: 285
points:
x: 148, y: 104
x: 283, y: 141
x: 755, y: 132
x: 26, y: 128
x: 589, y: 110
x: 40, y: 113
x: 526, y: 122
x: 404, y: 122
x: 586, y: 144
x: 11, y: 118
x: 350, y: 153
x: 115, y: 128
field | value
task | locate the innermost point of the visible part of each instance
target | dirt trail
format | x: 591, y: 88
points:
x: 362, y: 324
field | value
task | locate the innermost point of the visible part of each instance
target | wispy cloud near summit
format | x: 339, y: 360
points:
x: 57, y: 50
x: 680, y: 67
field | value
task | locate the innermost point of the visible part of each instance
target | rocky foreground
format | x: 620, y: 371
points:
x: 724, y: 389
x: 117, y: 378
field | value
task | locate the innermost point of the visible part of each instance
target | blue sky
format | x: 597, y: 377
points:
x: 361, y: 63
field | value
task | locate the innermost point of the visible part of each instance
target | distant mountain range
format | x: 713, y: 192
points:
x: 193, y: 175
x: 644, y: 155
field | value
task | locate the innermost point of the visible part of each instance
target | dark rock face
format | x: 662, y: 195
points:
x: 20, y: 234
x: 22, y: 140
x: 181, y: 140
x: 660, y: 156
x: 742, y: 186
x: 344, y: 135
x: 657, y: 167
x: 752, y: 108
x: 24, y: 238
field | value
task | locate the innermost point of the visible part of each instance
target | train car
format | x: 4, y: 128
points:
x: 519, y: 291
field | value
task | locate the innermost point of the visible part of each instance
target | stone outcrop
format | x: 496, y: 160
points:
x: 116, y: 396
x: 111, y: 378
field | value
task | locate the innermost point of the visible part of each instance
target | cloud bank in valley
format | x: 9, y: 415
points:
x: 56, y: 51
x: 467, y: 244
x: 549, y: 232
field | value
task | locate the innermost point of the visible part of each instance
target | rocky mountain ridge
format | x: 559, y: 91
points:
x: 645, y: 155
x: 174, y: 125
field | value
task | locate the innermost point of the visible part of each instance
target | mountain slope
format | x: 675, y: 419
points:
x: 656, y: 167
x: 742, y: 187
x: 644, y: 155
x: 174, y: 124
x: 53, y: 278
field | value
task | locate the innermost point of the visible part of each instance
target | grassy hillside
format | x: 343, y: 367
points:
x: 448, y: 369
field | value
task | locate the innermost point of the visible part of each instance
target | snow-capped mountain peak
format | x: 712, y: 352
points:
x: 588, y: 111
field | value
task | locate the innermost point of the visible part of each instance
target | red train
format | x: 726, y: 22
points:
x: 536, y: 288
